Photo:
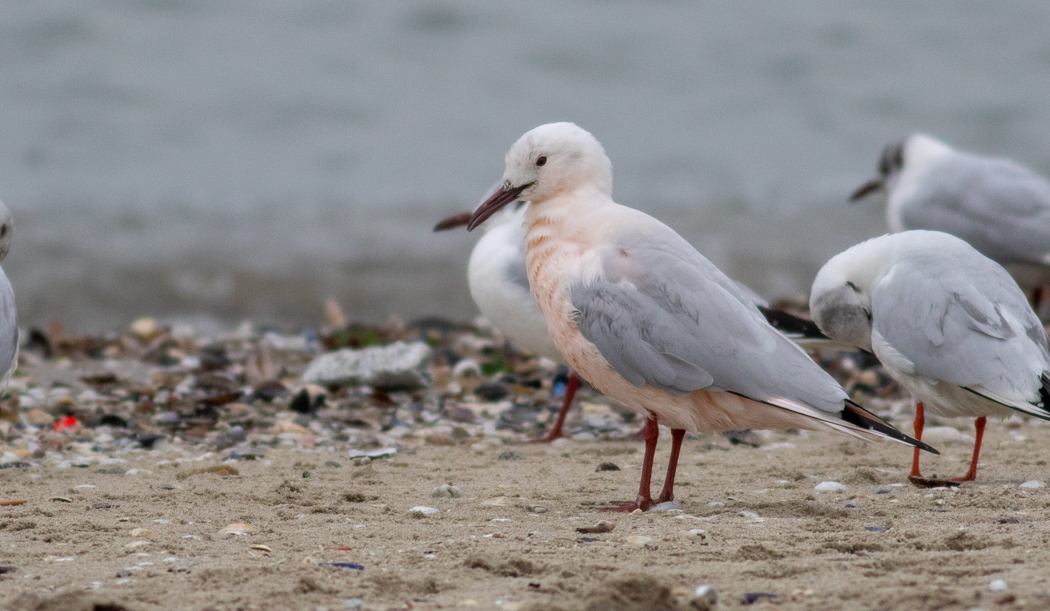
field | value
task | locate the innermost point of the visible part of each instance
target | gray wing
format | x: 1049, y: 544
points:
x: 8, y: 325
x: 976, y: 328
x: 1000, y: 207
x: 664, y: 315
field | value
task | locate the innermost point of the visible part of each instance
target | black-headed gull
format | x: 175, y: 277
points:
x: 647, y: 320
x: 997, y: 205
x: 948, y: 323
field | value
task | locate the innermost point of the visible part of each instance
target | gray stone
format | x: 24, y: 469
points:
x: 398, y: 366
x: 704, y: 598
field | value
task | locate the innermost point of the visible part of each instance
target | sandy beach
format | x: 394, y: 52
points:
x: 173, y: 491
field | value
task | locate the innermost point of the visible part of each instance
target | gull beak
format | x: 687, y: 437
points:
x: 873, y: 185
x: 456, y: 220
x: 502, y: 197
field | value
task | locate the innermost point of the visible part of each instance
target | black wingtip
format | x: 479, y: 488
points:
x: 1044, y: 390
x: 791, y: 324
x: 855, y: 414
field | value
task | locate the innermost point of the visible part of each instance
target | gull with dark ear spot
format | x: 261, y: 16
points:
x: 997, y: 205
x: 650, y: 322
x: 948, y: 323
x: 8, y: 313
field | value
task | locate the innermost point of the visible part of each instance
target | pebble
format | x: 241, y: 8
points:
x: 492, y: 391
x: 373, y: 454
x: 600, y: 527
x: 146, y: 328
x: 704, y: 598
x: 638, y: 540
x: 697, y: 532
x: 289, y: 427
x: 237, y: 528
x: 607, y: 466
x: 499, y: 501
x: 751, y: 598
x: 446, y: 491
x: 397, y: 366
x: 535, y: 509
x: 1032, y: 484
x: 439, y: 440
x: 667, y: 506
x: 423, y: 510
x: 830, y: 487
x: 353, y: 604
x: 883, y: 489
x: 998, y: 585
x: 134, y: 545
x: 143, y: 533
x: 38, y: 417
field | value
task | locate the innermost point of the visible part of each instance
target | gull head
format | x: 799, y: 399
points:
x: 910, y: 154
x: 547, y: 161
x: 7, y: 230
x: 840, y: 301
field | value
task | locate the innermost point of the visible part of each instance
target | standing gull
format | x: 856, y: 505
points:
x: 650, y: 322
x: 948, y: 323
x: 499, y: 285
x: 8, y: 314
x: 997, y: 205
x: 500, y: 288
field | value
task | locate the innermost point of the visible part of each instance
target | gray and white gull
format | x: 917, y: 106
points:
x: 948, y: 323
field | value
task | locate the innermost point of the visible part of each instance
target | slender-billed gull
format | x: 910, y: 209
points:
x: 948, y: 323
x: 997, y: 205
x: 499, y: 285
x: 646, y: 319
x: 8, y: 313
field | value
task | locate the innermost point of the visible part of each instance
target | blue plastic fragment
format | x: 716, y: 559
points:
x: 344, y: 565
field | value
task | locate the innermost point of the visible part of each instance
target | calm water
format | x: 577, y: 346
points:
x: 215, y: 161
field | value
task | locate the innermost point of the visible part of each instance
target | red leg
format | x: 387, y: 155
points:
x: 972, y: 473
x: 645, y: 498
x: 920, y: 421
x: 677, y: 435
x: 570, y: 394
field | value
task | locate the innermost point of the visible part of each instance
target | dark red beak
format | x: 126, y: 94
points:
x: 873, y: 185
x: 497, y: 200
x: 456, y: 220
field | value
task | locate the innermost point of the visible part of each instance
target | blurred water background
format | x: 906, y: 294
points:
x: 215, y: 161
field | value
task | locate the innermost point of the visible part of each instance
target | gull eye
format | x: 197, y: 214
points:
x: 542, y: 160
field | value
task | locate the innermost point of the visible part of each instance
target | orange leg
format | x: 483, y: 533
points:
x: 920, y: 421
x: 645, y: 497
x: 677, y: 435
x: 570, y: 393
x: 972, y: 473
